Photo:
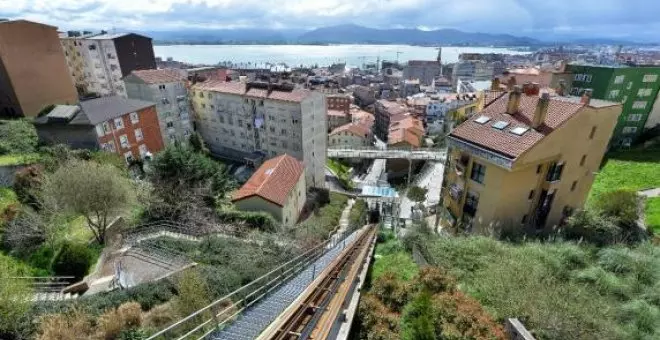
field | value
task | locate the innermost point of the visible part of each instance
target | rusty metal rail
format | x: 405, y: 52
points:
x: 310, y: 317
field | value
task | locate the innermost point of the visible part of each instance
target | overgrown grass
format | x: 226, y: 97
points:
x: 635, y: 169
x: 18, y: 159
x: 391, y: 257
x: 7, y: 198
x: 323, y: 221
x: 652, y: 212
x: 560, y: 290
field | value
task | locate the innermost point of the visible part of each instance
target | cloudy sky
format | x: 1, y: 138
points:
x: 628, y: 19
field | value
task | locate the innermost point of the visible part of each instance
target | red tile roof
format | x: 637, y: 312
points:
x: 404, y: 136
x: 166, y: 75
x: 505, y: 142
x: 240, y: 88
x: 357, y: 129
x: 273, y: 181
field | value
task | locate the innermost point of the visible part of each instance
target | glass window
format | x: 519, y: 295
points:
x: 138, y: 135
x: 574, y: 185
x: 635, y: 117
x: 584, y: 158
x: 143, y: 149
x: 471, y: 203
x: 614, y: 94
x: 619, y: 79
x: 644, y: 92
x: 650, y: 78
x: 478, y: 173
x: 629, y: 129
x: 119, y: 123
x: 135, y: 118
x: 639, y: 104
x: 592, y: 133
x: 99, y: 130
x: 128, y: 156
x: 123, y: 140
x: 554, y: 172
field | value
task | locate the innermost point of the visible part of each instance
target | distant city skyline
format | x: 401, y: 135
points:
x: 634, y: 20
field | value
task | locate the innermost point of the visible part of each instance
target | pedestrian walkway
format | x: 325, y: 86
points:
x: 649, y: 193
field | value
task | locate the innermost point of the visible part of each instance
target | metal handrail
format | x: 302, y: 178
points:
x: 288, y: 267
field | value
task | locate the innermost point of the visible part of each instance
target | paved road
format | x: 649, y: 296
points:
x: 430, y: 179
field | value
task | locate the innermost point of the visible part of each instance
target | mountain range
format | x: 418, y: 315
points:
x: 351, y: 34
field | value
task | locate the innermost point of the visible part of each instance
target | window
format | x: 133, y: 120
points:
x: 635, y: 117
x: 128, y: 156
x: 123, y: 140
x: 143, y: 150
x: 92, y: 47
x: 106, y: 127
x: 471, y: 203
x: 650, y: 78
x: 478, y: 173
x: 169, y: 124
x: 135, y: 118
x: 272, y: 129
x: 583, y: 159
x: 614, y: 94
x: 629, y: 129
x: 138, y: 135
x: 119, y: 123
x: 574, y: 185
x: 619, y: 79
x: 531, y: 195
x: 554, y: 172
x: 99, y: 130
x: 201, y: 94
x: 592, y: 133
x: 283, y: 132
x: 539, y: 168
x: 639, y: 104
x: 644, y: 92
x: 203, y: 106
x: 110, y: 146
x: 161, y: 87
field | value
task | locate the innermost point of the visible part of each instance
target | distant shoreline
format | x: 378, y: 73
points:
x: 249, y: 43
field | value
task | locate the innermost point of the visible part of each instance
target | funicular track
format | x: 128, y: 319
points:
x: 315, y: 314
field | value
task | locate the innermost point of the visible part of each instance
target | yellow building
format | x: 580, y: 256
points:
x: 525, y: 161
x: 277, y: 187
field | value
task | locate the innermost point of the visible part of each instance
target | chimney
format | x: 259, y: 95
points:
x: 511, y: 83
x: 514, y: 100
x: 561, y: 91
x: 541, y: 111
x: 495, y: 84
x: 586, y: 97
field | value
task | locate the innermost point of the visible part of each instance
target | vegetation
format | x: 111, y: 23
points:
x: 416, y: 194
x: 97, y: 192
x: 18, y: 159
x: 14, y: 295
x: 324, y: 220
x: 358, y: 214
x: 342, y: 171
x: 419, y: 304
x: 559, y: 290
x: 653, y: 214
x: 634, y: 170
x: 72, y: 259
x: 254, y: 220
x: 17, y: 137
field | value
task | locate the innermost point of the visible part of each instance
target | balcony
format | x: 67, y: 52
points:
x: 456, y: 191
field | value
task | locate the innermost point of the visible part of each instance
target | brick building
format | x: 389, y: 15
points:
x: 124, y: 126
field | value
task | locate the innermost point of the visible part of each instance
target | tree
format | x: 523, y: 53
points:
x: 416, y: 194
x: 17, y: 136
x: 416, y: 319
x: 96, y: 191
x: 188, y: 183
x: 197, y: 143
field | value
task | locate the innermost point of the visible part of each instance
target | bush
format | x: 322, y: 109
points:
x: 160, y: 316
x: 17, y: 137
x: 27, y: 182
x: 72, y: 259
x: 254, y: 220
x: 75, y: 324
x: 622, y: 204
x: 416, y: 194
x: 114, y: 322
x: 416, y: 319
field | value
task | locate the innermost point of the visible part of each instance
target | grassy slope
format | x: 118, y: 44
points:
x: 391, y: 257
x: 7, y: 198
x: 560, y: 290
x: 635, y: 169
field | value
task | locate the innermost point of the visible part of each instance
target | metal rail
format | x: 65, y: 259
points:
x: 306, y: 316
x: 223, y: 310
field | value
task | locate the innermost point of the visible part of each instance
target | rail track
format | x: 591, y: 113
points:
x: 317, y: 313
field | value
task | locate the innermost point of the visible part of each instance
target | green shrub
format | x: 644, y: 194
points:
x: 255, y: 220
x: 621, y: 204
x: 17, y: 137
x: 72, y: 259
x: 416, y: 319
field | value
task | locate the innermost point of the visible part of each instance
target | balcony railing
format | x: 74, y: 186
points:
x: 456, y: 192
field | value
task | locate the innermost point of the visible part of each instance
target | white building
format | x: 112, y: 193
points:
x: 167, y: 88
x: 250, y: 121
x: 98, y: 62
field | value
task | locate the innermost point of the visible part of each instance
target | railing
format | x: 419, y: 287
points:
x: 46, y: 284
x: 138, y: 233
x: 222, y: 311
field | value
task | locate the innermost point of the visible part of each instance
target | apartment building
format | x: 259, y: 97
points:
x: 127, y: 127
x: 247, y: 121
x: 351, y: 135
x: 525, y: 161
x: 168, y: 88
x: 384, y: 110
x: 106, y: 58
x: 635, y: 87
x: 277, y: 187
x: 33, y: 71
x: 424, y: 70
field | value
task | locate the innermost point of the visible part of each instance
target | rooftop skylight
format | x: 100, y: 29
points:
x: 500, y: 125
x: 482, y: 119
x: 520, y: 130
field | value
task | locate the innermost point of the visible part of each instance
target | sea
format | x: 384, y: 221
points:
x: 309, y: 55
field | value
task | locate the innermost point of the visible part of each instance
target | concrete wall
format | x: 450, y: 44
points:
x: 34, y: 68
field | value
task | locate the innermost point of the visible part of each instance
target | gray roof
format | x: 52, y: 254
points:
x: 110, y: 36
x: 101, y: 109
